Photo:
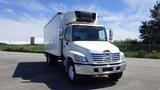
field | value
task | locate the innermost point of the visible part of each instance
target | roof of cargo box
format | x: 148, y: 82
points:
x: 58, y: 13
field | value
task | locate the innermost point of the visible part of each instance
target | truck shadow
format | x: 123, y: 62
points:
x: 54, y: 77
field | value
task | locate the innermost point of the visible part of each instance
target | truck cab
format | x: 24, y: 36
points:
x: 89, y: 51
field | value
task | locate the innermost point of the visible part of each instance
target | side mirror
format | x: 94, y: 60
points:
x: 110, y: 35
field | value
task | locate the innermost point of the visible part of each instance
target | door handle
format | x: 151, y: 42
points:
x: 66, y: 43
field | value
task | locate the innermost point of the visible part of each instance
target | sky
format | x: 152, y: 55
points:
x: 21, y: 19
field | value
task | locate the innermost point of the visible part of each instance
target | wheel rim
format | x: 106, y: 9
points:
x: 71, y: 72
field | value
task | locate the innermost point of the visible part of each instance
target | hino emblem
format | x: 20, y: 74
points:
x: 107, y: 56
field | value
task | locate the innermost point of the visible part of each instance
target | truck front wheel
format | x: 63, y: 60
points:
x: 115, y: 76
x: 73, y: 77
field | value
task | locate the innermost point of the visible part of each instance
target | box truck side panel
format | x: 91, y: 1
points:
x: 52, y: 42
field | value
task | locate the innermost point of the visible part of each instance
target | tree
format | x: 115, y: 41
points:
x: 150, y: 30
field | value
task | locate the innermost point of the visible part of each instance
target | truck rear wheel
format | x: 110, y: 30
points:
x: 115, y: 76
x: 51, y: 60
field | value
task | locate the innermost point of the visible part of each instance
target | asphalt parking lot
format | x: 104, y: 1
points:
x: 28, y: 71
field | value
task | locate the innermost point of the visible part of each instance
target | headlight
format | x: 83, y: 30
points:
x: 80, y: 58
x: 122, y: 57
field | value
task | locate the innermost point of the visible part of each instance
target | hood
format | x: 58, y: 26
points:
x: 97, y: 46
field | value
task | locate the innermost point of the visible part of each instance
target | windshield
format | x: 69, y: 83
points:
x: 88, y: 33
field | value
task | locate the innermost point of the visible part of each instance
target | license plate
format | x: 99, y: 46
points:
x: 107, y: 69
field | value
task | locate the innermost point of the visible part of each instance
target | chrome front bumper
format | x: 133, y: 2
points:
x: 92, y: 69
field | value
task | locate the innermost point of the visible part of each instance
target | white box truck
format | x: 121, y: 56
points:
x: 82, y: 45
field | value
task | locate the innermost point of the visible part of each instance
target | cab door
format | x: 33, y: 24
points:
x: 67, y: 41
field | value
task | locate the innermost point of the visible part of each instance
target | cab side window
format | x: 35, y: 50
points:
x: 67, y: 34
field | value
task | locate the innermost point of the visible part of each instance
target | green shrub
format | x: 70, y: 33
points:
x: 22, y: 48
x: 155, y: 55
x: 143, y: 54
x: 3, y: 43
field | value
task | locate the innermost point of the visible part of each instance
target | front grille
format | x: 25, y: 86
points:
x: 115, y: 56
x: 101, y: 57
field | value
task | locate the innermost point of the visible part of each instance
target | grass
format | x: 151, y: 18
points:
x: 142, y: 54
x: 21, y: 48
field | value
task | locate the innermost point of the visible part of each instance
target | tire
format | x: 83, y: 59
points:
x: 73, y: 77
x: 51, y: 60
x: 115, y: 76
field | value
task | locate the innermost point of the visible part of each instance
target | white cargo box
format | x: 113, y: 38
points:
x: 52, y: 41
